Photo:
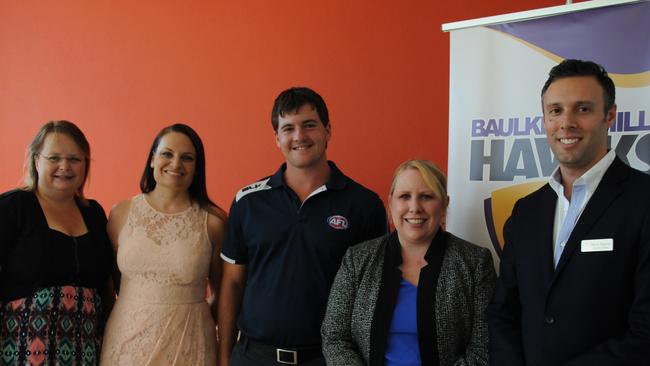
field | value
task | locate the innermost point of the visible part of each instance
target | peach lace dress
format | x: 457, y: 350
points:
x: 161, y: 316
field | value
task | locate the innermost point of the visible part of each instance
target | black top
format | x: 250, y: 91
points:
x: 426, y: 299
x: 33, y: 256
x: 293, y: 251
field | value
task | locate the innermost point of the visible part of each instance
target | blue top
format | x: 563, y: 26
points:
x: 292, y: 251
x: 402, y: 348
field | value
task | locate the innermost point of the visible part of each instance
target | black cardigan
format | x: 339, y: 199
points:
x: 33, y: 256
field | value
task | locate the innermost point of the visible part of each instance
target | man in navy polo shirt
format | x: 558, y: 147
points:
x: 286, y: 236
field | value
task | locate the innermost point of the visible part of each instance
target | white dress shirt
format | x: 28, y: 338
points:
x: 591, y: 178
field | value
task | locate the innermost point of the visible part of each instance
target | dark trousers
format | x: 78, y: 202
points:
x: 243, y: 356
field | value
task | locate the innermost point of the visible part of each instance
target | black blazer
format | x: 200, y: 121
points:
x: 594, y: 309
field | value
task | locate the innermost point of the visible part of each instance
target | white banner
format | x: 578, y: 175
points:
x: 497, y: 143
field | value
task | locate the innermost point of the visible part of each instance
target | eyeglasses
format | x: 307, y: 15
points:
x: 58, y: 159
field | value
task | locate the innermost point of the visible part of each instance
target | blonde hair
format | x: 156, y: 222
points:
x: 433, y: 177
x: 63, y: 127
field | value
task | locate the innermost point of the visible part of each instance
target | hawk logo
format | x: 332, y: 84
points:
x: 338, y: 222
x: 499, y: 206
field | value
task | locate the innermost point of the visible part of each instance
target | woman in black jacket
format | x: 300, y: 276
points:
x: 413, y: 297
x: 55, y: 257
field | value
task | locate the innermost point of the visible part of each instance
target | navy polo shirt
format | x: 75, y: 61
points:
x: 292, y: 251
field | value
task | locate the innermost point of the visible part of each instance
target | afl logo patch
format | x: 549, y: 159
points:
x: 338, y: 222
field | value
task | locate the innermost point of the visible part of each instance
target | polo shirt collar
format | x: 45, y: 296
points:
x: 276, y: 180
x: 337, y: 180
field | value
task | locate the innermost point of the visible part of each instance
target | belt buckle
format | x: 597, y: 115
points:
x: 294, y: 355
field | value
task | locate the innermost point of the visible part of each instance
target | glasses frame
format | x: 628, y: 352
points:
x: 56, y: 159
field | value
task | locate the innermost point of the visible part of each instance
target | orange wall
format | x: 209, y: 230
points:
x: 122, y: 70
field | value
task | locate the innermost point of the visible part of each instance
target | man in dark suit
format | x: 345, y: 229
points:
x: 575, y: 271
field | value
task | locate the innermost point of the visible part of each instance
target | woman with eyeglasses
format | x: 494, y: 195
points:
x: 168, y: 240
x: 55, y: 257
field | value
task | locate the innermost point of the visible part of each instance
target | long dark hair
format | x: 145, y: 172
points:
x: 197, y: 190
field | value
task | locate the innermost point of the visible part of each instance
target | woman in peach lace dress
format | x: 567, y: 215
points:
x: 167, y: 241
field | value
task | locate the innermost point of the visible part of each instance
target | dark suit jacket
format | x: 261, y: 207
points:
x: 594, y: 309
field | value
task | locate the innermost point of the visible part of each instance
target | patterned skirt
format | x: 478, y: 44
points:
x: 55, y: 326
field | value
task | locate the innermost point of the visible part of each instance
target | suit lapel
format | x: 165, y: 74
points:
x: 608, y: 190
x: 548, y: 201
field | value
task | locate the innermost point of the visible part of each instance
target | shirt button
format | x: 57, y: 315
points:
x: 549, y: 320
x: 562, y: 244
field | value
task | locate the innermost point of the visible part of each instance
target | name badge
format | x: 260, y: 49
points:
x: 597, y: 245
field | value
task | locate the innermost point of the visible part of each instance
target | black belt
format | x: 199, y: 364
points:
x: 289, y: 356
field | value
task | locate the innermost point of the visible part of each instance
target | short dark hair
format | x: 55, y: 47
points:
x: 290, y: 100
x: 197, y: 190
x: 569, y: 68
x: 63, y: 127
